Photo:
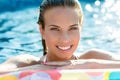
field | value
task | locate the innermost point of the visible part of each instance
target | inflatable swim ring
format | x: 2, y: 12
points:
x: 56, y: 74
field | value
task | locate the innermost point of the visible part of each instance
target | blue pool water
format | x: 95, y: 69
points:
x: 19, y: 30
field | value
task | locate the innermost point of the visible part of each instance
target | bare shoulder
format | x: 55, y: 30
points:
x: 98, y: 54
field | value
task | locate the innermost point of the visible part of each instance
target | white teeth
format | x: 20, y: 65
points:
x: 64, y: 48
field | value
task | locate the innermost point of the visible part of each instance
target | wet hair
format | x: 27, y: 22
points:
x: 48, y: 4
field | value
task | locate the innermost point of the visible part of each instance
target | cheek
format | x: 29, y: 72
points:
x: 49, y: 38
x: 75, y: 36
x: 76, y: 39
x: 51, y: 35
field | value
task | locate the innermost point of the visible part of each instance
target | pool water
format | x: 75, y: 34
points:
x: 19, y: 31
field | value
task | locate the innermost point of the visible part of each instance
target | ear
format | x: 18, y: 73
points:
x: 41, y: 31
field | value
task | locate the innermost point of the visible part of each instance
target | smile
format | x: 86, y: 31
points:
x: 64, y: 48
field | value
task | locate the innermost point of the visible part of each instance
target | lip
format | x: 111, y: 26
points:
x: 64, y: 48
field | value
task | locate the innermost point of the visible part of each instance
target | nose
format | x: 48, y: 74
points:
x: 65, y: 38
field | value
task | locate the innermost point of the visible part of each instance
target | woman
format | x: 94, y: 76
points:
x: 60, y: 23
x: 61, y: 32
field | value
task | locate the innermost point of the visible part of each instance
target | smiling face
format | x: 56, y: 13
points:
x: 61, y: 32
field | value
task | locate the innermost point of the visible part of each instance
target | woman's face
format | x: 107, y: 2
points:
x: 61, y: 33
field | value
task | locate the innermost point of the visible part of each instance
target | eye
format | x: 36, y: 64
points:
x: 54, y: 29
x: 73, y: 28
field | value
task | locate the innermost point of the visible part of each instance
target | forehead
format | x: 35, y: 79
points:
x: 61, y: 15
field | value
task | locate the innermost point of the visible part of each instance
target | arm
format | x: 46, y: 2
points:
x: 18, y: 61
x: 86, y: 64
x: 73, y: 64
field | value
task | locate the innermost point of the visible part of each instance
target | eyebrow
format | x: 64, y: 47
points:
x: 59, y: 26
x: 54, y: 25
x: 73, y: 25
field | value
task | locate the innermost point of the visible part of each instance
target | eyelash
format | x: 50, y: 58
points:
x: 54, y: 29
x: 74, y: 28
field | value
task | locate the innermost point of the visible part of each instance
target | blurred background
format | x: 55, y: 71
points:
x: 19, y: 31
